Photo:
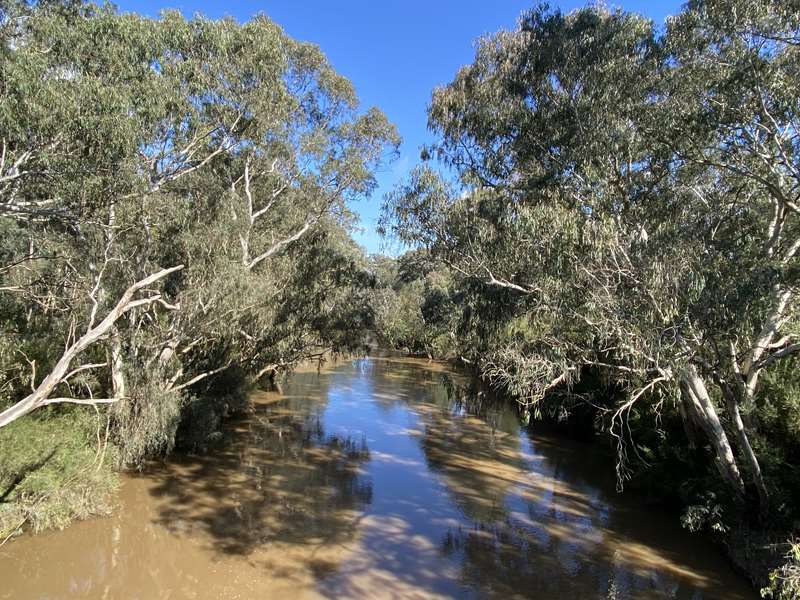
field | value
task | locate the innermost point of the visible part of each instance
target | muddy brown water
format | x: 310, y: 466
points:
x: 376, y: 478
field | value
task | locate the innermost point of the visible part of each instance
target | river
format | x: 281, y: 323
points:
x: 374, y: 478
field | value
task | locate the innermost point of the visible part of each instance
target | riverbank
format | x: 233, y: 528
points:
x: 55, y: 468
x: 61, y: 465
x: 63, y: 475
x: 762, y: 555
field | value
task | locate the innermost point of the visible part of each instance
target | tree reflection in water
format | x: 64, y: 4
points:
x: 524, y: 515
x: 379, y: 478
x: 543, y: 520
x: 283, y: 479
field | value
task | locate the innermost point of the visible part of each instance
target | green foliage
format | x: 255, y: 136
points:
x: 784, y: 582
x: 146, y: 422
x: 216, y: 161
x: 53, y: 469
x: 708, y: 515
x: 777, y: 440
x: 413, y: 307
x: 622, y: 202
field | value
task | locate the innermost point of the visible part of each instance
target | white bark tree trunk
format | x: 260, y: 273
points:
x: 701, y: 408
x: 118, y: 382
x: 40, y: 396
x: 742, y: 439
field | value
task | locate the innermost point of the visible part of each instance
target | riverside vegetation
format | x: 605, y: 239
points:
x: 174, y: 222
x: 606, y: 230
x: 612, y: 238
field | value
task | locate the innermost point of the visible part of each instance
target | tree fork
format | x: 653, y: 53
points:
x: 702, y: 411
x: 41, y: 393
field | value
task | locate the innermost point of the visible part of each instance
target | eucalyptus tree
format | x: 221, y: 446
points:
x: 161, y: 183
x: 412, y: 304
x: 627, y: 200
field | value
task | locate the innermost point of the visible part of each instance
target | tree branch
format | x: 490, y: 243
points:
x: 39, y: 396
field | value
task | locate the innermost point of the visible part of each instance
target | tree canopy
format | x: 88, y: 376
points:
x: 625, y: 202
x: 174, y: 209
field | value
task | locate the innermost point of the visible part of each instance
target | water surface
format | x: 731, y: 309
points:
x: 376, y: 478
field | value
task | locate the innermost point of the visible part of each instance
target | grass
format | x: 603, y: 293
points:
x: 53, y: 471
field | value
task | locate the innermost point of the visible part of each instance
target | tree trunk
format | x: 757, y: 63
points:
x: 742, y: 439
x: 689, y: 425
x: 118, y: 382
x: 750, y: 371
x: 38, y: 397
x: 701, y: 408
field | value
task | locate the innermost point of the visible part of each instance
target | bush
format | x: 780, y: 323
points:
x: 146, y: 422
x: 784, y: 582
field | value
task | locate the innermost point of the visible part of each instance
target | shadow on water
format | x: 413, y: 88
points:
x: 539, y: 515
x: 282, y: 479
x: 378, y: 478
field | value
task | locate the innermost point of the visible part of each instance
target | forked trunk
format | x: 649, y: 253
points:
x: 701, y: 409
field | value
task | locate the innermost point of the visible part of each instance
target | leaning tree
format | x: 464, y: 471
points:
x: 628, y: 201
x: 161, y: 184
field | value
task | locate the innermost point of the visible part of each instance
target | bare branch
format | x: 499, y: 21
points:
x: 277, y: 246
x: 776, y: 356
x: 85, y: 401
x: 83, y: 368
x: 39, y: 396
x: 199, y: 377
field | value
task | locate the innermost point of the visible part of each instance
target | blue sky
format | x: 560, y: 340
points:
x: 394, y: 51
